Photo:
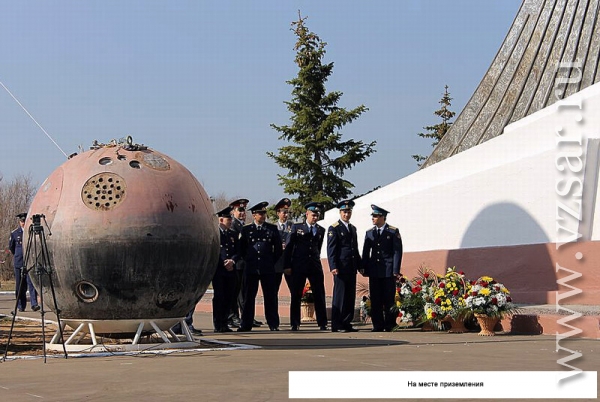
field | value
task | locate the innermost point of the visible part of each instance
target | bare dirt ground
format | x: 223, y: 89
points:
x: 26, y: 337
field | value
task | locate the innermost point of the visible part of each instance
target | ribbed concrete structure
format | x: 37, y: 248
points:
x: 550, y: 44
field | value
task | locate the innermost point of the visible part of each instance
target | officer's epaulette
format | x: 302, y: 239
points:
x: 392, y: 228
x: 247, y: 224
x: 335, y: 224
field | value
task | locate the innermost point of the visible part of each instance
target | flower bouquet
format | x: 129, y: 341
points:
x: 446, y: 300
x: 491, y: 298
x: 490, y: 301
x: 410, y: 296
x: 307, y: 294
x: 365, y: 308
x: 307, y: 304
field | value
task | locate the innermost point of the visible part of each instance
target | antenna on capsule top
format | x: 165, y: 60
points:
x: 34, y: 120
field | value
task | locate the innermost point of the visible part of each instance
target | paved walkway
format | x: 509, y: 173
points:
x: 262, y: 374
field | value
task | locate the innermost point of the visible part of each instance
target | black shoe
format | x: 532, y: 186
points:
x: 350, y: 329
x: 21, y: 310
x: 335, y: 330
x: 295, y: 328
x: 195, y: 331
x: 323, y: 328
x: 226, y: 329
x: 35, y: 308
x: 256, y: 324
x: 240, y: 329
x: 274, y: 328
x: 376, y: 330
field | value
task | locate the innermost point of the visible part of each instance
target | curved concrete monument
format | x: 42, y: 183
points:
x: 521, y: 206
x: 545, y: 35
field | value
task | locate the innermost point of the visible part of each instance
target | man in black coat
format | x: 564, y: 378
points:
x: 344, y: 263
x: 303, y: 256
x: 238, y: 209
x: 224, y: 280
x: 284, y: 226
x: 260, y: 247
x: 381, y: 259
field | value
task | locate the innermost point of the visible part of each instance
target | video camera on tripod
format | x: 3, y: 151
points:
x: 37, y: 251
x: 37, y: 222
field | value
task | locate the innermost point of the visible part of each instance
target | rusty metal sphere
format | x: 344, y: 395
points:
x: 131, y: 236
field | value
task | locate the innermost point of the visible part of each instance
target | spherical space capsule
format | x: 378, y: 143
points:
x: 131, y: 236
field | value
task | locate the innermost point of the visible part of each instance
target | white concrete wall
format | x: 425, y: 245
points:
x: 502, y: 192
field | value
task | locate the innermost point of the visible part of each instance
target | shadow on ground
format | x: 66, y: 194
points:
x: 319, y: 343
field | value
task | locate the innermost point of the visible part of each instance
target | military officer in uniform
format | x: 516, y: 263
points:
x: 15, y: 245
x: 260, y: 247
x: 381, y: 259
x: 238, y: 208
x: 303, y: 256
x: 344, y: 262
x: 284, y: 226
x: 224, y: 280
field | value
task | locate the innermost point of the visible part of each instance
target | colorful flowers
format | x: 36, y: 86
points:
x: 411, y: 296
x: 447, y: 297
x: 365, y: 307
x: 491, y: 298
x: 307, y: 294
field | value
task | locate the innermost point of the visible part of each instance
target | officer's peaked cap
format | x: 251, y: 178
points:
x: 345, y: 205
x: 378, y: 210
x: 314, y: 206
x: 241, y: 203
x: 225, y: 212
x: 283, y: 203
x: 260, y: 207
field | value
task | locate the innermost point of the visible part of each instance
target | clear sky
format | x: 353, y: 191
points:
x: 202, y: 81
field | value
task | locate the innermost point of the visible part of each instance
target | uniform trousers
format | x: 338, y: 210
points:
x: 22, y: 297
x: 224, y: 284
x: 317, y: 286
x: 344, y: 298
x: 250, y: 288
x: 237, y: 298
x: 382, y: 292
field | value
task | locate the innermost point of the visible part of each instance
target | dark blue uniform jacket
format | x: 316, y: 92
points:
x: 342, y: 248
x: 382, y: 254
x: 260, y: 249
x: 303, y: 250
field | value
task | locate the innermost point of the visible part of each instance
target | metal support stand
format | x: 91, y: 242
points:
x: 75, y: 342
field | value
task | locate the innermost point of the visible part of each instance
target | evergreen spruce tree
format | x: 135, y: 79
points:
x: 317, y: 157
x: 438, y: 131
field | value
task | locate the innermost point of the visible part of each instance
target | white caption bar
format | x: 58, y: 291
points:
x: 443, y: 384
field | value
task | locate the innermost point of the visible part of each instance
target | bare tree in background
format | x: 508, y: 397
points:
x: 221, y: 200
x: 15, y: 197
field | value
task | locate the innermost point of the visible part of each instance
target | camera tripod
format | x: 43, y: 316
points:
x: 36, y: 245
